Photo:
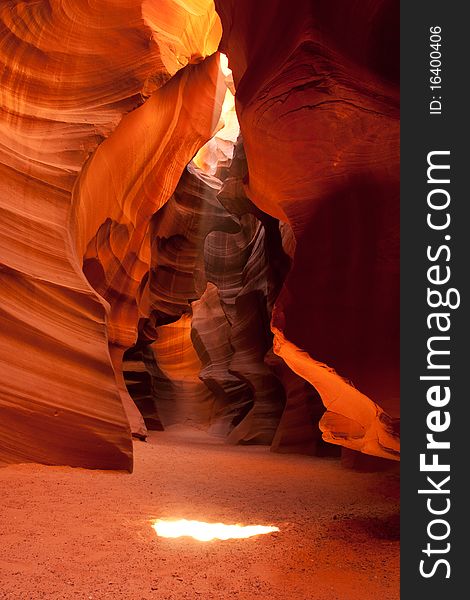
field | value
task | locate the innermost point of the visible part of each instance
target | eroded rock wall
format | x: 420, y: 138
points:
x: 78, y: 161
x: 317, y: 99
x: 109, y: 240
x: 211, y: 290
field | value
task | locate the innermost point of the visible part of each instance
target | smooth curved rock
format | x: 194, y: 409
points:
x: 181, y: 397
x: 62, y: 395
x: 208, y: 294
x: 109, y: 240
x: 319, y: 115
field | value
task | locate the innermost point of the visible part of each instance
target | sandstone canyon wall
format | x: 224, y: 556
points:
x: 81, y: 153
x: 249, y: 282
x: 317, y: 100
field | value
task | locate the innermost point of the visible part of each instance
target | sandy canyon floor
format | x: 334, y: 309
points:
x: 75, y: 534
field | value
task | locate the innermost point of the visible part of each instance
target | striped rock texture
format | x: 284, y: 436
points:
x: 95, y: 131
x: 251, y: 288
x: 211, y: 290
x: 319, y: 115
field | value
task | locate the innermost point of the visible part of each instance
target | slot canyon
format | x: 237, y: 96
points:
x: 199, y: 292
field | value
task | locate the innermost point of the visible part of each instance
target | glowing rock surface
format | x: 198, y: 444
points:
x: 81, y: 153
x: 109, y: 241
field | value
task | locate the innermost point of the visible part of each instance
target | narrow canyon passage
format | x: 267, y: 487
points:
x: 199, y: 269
x: 203, y: 205
x: 72, y: 533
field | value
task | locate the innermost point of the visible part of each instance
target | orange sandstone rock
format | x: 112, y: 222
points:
x: 79, y: 181
x: 318, y: 105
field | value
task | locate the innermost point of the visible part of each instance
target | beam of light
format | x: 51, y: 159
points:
x: 224, y: 65
x: 218, y: 151
x: 205, y: 532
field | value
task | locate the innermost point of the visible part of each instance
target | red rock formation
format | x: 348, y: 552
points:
x: 103, y: 105
x: 317, y: 99
x: 298, y: 430
x: 209, y: 370
x: 150, y: 148
x: 62, y: 390
x: 180, y: 395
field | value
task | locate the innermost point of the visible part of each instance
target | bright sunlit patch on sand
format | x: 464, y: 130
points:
x: 204, y: 532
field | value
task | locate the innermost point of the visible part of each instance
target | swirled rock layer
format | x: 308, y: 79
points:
x: 319, y: 115
x: 96, y: 126
x: 129, y: 218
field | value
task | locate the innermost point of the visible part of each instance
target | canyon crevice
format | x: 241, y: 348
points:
x: 186, y: 242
